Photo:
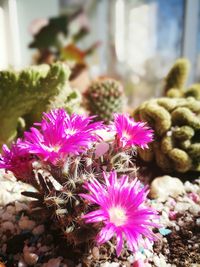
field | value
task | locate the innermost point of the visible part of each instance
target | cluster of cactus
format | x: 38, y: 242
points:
x: 26, y: 94
x: 104, y: 97
x: 58, y: 192
x: 175, y: 119
x: 68, y: 158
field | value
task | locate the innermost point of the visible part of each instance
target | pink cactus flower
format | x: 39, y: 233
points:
x: 60, y: 135
x: 120, y: 206
x: 17, y: 160
x: 130, y: 133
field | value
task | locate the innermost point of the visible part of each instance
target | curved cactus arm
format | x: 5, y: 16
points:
x: 177, y: 75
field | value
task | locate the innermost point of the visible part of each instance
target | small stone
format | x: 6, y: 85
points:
x: 30, y: 258
x: 198, y: 221
x: 21, y: 264
x: 19, y: 206
x: 6, y: 216
x: 53, y: 262
x: 164, y: 231
x: 11, y: 209
x: 164, y: 186
x: 8, y: 226
x: 44, y: 249
x: 182, y: 207
x: 26, y: 224
x: 95, y: 252
x: 131, y: 259
x: 110, y: 264
x: 38, y: 230
x: 195, y: 209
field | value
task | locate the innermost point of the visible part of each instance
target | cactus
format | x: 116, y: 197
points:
x: 63, y: 153
x: 103, y: 98
x: 26, y: 94
x: 176, y: 122
x: 177, y: 76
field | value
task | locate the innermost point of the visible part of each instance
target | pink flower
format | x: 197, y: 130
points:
x: 61, y: 135
x: 18, y: 161
x: 121, y: 209
x: 130, y: 133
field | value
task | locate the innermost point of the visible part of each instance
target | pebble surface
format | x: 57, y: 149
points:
x: 25, y: 242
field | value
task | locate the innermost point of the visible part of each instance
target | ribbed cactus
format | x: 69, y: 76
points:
x: 104, y: 97
x: 26, y: 94
x: 177, y: 76
x: 176, y: 122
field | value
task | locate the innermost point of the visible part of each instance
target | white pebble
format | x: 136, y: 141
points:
x: 164, y: 186
x: 198, y: 222
x: 108, y: 264
x: 21, y: 264
x: 194, y: 209
x: 182, y: 207
x: 131, y: 259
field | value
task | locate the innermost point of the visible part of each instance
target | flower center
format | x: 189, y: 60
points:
x: 117, y: 216
x: 53, y: 148
x: 70, y: 131
x: 126, y: 135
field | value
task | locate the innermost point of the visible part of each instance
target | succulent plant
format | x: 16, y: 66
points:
x: 75, y: 170
x: 177, y: 76
x: 26, y: 94
x: 176, y: 122
x: 103, y: 98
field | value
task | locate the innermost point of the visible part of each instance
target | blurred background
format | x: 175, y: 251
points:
x: 135, y: 41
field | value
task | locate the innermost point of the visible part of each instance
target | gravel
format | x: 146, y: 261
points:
x: 26, y: 241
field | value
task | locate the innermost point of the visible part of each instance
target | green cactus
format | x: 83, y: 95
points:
x: 28, y: 93
x: 103, y: 98
x: 194, y: 91
x: 176, y: 122
x: 177, y: 76
x: 176, y: 133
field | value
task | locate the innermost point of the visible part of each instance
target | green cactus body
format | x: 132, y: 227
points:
x: 167, y: 144
x: 176, y: 126
x: 146, y: 154
x: 183, y: 133
x: 28, y: 93
x: 178, y: 74
x: 173, y: 92
x: 157, y: 116
x: 194, y: 91
x: 181, y: 160
x: 104, y: 97
x: 161, y: 159
x: 194, y: 151
x: 184, y: 116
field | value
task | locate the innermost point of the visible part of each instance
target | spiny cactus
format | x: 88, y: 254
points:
x: 26, y: 94
x: 176, y: 121
x: 177, y: 76
x: 104, y: 97
x: 70, y: 164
